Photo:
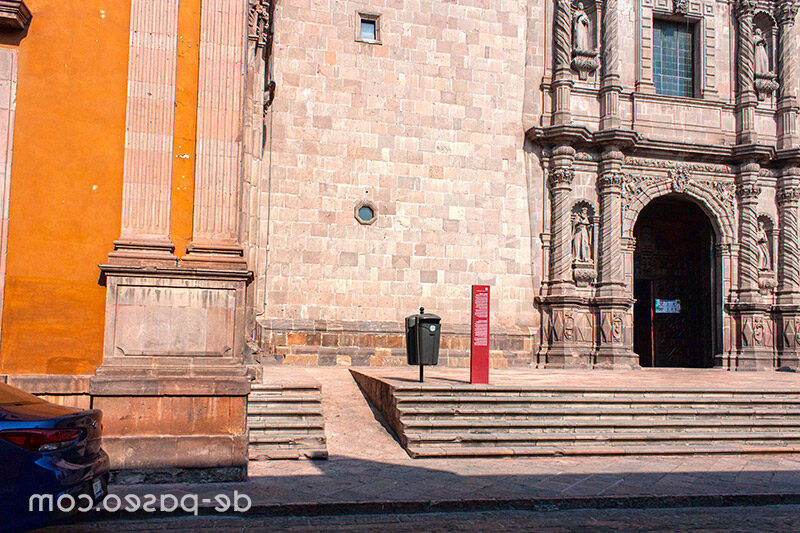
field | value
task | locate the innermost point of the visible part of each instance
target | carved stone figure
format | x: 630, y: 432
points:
x: 761, y: 52
x: 764, y: 257
x: 580, y: 29
x: 581, y: 237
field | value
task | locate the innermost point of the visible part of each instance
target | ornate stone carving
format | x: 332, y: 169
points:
x: 692, y: 167
x: 791, y: 332
x: 583, y: 238
x: 679, y: 180
x: 787, y: 12
x: 680, y: 7
x: 561, y: 176
x: 747, y: 190
x: 611, y: 179
x: 259, y: 21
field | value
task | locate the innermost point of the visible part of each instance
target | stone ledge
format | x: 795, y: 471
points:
x: 50, y: 384
x: 122, y: 385
x: 14, y: 15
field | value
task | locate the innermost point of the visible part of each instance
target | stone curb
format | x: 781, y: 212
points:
x: 476, y: 505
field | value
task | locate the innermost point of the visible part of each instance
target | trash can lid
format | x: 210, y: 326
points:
x: 427, y: 317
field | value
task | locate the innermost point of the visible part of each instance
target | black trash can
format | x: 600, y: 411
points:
x: 422, y: 338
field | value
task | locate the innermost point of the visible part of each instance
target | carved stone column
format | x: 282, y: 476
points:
x: 787, y: 100
x: 615, y: 347
x: 561, y: 301
x: 562, y: 75
x: 147, y: 179
x: 746, y: 100
x: 755, y: 333
x: 223, y: 38
x: 610, y: 86
x: 788, y: 299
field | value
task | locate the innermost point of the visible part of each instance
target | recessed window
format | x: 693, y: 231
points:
x: 366, y: 212
x: 673, y: 58
x: 368, y: 28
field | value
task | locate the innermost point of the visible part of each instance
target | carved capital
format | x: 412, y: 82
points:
x: 787, y: 12
x: 746, y: 191
x: 258, y: 21
x: 562, y: 176
x: 611, y: 180
x: 788, y: 194
x: 744, y: 8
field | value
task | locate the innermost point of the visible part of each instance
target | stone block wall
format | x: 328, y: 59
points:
x: 427, y: 126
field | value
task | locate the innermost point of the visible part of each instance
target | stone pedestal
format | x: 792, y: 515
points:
x: 755, y: 345
x: 172, y: 385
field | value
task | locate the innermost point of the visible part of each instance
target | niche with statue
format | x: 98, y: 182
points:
x: 584, y: 239
x: 584, y: 38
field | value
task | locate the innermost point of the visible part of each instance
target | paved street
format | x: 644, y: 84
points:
x: 727, y: 519
x: 368, y: 474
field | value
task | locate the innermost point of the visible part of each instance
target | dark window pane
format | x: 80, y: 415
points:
x: 368, y: 30
x: 673, y: 58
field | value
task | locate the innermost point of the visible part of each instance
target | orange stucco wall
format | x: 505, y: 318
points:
x: 185, y: 125
x: 66, y: 177
x: 66, y: 184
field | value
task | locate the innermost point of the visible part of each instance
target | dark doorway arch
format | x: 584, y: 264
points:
x: 675, y: 274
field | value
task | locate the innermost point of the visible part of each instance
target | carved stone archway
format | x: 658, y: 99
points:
x: 718, y: 201
x: 716, y: 198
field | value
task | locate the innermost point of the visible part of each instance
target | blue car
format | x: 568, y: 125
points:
x: 51, y: 463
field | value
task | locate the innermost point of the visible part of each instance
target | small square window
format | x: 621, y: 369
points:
x: 368, y: 29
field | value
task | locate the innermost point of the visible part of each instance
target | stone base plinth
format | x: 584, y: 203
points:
x: 354, y: 343
x: 173, y: 386
x: 170, y: 424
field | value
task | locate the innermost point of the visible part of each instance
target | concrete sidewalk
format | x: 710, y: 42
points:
x: 368, y: 472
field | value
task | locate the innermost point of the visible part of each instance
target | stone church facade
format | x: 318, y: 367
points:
x: 258, y: 183
x: 517, y: 144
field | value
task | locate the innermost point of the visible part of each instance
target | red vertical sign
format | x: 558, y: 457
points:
x: 479, y: 348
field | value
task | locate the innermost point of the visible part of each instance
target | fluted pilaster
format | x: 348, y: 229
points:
x: 223, y: 37
x: 147, y: 180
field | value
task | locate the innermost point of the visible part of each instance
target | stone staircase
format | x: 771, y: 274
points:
x: 475, y: 420
x: 284, y: 419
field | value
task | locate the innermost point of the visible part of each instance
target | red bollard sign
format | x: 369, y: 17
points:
x: 479, y: 348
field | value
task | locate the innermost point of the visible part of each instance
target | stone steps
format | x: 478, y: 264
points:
x: 476, y: 425
x: 285, y: 421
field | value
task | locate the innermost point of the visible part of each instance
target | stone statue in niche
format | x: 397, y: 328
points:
x: 761, y: 52
x: 765, y: 80
x: 764, y: 255
x: 580, y: 29
x: 583, y: 271
x: 581, y: 237
x: 584, y: 57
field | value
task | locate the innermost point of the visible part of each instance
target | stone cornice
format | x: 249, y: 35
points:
x: 14, y: 15
x: 175, y: 272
